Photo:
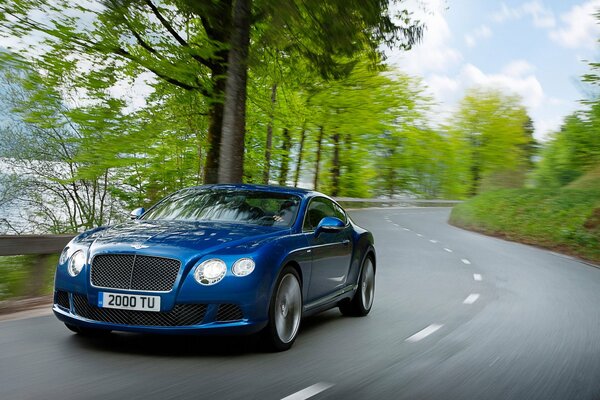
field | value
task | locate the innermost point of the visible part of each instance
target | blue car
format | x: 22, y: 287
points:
x: 218, y: 259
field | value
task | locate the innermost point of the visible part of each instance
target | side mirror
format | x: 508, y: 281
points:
x: 135, y: 214
x: 329, y: 224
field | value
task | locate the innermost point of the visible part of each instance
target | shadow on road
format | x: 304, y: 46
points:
x: 190, y: 345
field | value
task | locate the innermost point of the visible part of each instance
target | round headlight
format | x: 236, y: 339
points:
x: 243, y: 267
x: 210, y: 272
x: 76, y: 263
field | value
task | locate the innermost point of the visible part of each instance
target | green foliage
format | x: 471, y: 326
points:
x: 17, y: 273
x: 564, y: 219
x: 491, y: 139
x: 572, y: 151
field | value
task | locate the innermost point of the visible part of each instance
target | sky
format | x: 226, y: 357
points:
x: 536, y: 49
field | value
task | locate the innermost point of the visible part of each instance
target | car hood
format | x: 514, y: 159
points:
x: 202, y: 236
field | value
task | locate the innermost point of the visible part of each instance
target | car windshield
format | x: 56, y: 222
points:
x: 250, y: 207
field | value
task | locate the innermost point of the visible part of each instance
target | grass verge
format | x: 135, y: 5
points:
x: 565, y: 220
x: 26, y: 276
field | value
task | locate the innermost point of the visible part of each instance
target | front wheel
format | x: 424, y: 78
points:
x: 360, y: 305
x: 285, y: 311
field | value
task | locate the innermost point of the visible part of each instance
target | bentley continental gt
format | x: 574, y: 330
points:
x: 218, y: 259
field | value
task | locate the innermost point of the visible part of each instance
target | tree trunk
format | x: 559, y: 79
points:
x: 299, y: 162
x: 285, y: 159
x: 268, y: 145
x: 231, y: 160
x: 318, y: 160
x: 335, y: 168
x: 215, y: 126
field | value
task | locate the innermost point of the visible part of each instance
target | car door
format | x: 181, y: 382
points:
x: 331, y: 251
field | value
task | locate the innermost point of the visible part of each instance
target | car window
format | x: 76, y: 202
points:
x: 340, y: 213
x: 318, y: 209
x: 240, y: 206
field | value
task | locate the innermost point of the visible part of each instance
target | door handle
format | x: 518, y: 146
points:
x: 346, y: 243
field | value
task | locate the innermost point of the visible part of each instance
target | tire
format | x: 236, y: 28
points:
x: 285, y: 312
x: 362, y: 302
x: 87, y: 331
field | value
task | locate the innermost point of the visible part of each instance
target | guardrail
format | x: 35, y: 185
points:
x: 16, y: 245
x: 34, y: 272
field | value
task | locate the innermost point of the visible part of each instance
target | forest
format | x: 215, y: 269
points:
x: 110, y: 105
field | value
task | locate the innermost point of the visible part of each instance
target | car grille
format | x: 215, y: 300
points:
x: 130, y: 271
x: 180, y: 315
x: 62, y: 299
x: 229, y: 312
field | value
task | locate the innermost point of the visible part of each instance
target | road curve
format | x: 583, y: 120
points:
x: 457, y: 315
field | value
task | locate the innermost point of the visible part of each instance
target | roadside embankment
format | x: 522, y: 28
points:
x: 566, y: 220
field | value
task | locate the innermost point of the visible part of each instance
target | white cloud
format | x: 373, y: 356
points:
x: 517, y: 68
x: 527, y: 86
x: 541, y: 16
x: 434, y: 53
x: 483, y: 32
x: 579, y: 26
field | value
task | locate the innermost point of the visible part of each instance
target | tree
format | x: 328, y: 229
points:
x: 202, y: 46
x: 492, y: 128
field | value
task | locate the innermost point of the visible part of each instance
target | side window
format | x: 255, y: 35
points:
x: 318, y: 209
x: 339, y: 213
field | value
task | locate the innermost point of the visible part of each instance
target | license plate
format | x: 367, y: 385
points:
x: 128, y: 301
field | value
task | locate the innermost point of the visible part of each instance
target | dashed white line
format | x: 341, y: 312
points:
x: 472, y: 298
x: 477, y: 277
x: 465, y: 261
x: 396, y: 225
x: 309, y: 391
x: 419, y: 235
x: 422, y: 334
x: 433, y: 240
x: 406, y: 229
x: 448, y: 250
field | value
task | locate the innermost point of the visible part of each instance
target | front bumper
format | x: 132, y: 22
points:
x: 221, y: 319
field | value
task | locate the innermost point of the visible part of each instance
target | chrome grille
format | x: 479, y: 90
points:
x: 229, y: 312
x: 62, y: 299
x: 129, y: 271
x: 180, y: 315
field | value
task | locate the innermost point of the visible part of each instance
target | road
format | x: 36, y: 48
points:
x: 457, y: 315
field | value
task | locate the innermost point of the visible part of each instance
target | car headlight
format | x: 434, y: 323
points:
x: 76, y: 263
x: 64, y: 256
x: 210, y: 272
x: 243, y: 267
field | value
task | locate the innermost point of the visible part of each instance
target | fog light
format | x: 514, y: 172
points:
x: 210, y: 272
x: 76, y: 263
x: 243, y: 267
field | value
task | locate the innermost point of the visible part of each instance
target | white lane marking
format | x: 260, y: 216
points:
x: 477, y: 277
x: 422, y: 334
x: 406, y: 229
x: 309, y: 391
x: 433, y: 240
x: 396, y: 225
x: 472, y: 298
x: 419, y: 235
x: 448, y: 250
x: 465, y: 261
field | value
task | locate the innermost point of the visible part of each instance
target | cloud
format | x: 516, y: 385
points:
x: 483, y: 32
x: 510, y: 80
x: 434, y: 53
x: 541, y: 16
x: 579, y: 26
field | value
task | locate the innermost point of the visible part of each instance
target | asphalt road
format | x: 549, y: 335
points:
x: 457, y: 315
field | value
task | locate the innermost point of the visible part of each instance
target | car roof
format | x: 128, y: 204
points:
x: 263, y: 188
